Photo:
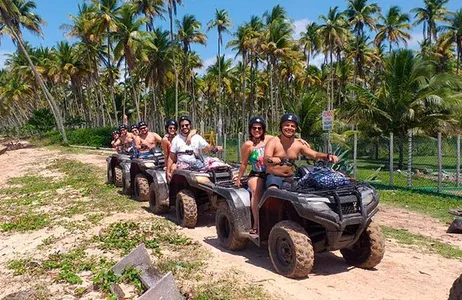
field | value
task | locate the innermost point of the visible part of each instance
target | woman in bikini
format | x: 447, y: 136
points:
x: 253, y: 152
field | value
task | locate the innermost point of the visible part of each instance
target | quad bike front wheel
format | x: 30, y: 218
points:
x: 291, y: 250
x: 186, y: 209
x: 156, y: 204
x: 227, y: 232
x: 456, y: 290
x: 141, y: 188
x: 368, y: 251
x: 118, y: 176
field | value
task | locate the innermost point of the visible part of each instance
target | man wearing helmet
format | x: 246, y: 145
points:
x: 115, y: 138
x: 282, y: 151
x: 146, y: 140
x: 123, y: 144
x: 171, y: 127
x: 182, y: 154
x: 134, y: 130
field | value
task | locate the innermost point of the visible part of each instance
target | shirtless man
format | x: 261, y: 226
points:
x: 134, y: 130
x: 115, y: 138
x: 184, y: 154
x: 124, y: 144
x: 146, y: 140
x: 282, y: 151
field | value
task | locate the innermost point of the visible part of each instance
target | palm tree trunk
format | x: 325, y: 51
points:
x: 174, y: 63
x: 49, y: 98
x: 220, y: 120
x: 271, y: 92
x: 244, y: 63
x: 111, y: 77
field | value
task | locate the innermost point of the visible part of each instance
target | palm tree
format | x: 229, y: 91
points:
x: 172, y: 9
x: 242, y: 44
x: 131, y: 45
x: 151, y: 9
x: 10, y: 15
x: 433, y: 11
x: 189, y: 32
x: 360, y: 15
x: 309, y: 40
x: 413, y: 96
x: 394, y: 28
x: 333, y: 32
x: 222, y: 22
x: 454, y: 28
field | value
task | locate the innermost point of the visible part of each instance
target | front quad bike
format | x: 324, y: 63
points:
x: 114, y: 168
x: 297, y: 223
x: 456, y: 289
x: 192, y: 189
x: 142, y: 172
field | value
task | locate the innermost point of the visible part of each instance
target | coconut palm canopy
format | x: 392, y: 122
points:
x: 121, y: 62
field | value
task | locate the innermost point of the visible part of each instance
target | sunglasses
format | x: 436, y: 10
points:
x: 143, y: 128
x: 172, y: 128
x: 185, y: 125
x: 257, y: 128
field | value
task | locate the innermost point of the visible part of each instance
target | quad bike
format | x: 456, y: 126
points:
x: 115, y: 169
x: 295, y: 223
x: 139, y: 173
x: 456, y: 289
x: 192, y: 190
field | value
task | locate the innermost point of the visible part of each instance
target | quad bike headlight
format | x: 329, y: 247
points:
x: 367, y: 197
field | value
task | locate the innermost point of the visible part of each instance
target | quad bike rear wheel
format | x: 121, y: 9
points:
x: 118, y: 176
x: 291, y: 250
x: 156, y: 204
x: 186, y: 209
x: 456, y: 289
x: 368, y: 251
x: 227, y: 230
x: 141, y: 188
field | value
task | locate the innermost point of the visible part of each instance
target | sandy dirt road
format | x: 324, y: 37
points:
x: 404, y: 273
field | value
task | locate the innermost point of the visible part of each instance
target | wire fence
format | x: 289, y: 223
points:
x: 430, y: 164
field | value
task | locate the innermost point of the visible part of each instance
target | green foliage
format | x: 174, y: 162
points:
x: 126, y: 236
x: 42, y: 119
x: 94, y: 137
x: 402, y: 236
x: 27, y: 222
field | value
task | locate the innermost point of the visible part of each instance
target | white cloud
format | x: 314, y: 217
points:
x: 416, y: 38
x: 318, y: 60
x: 3, y: 57
x: 299, y: 26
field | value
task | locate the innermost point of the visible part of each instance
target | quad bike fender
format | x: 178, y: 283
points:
x: 195, y: 179
x: 159, y: 178
x: 238, y: 200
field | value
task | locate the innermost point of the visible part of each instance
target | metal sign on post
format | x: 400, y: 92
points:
x: 327, y: 120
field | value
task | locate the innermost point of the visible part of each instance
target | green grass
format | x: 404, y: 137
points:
x: 227, y: 290
x: 27, y: 222
x: 435, y: 206
x: 422, y: 242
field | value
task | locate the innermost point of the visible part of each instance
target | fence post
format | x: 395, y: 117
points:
x: 239, y: 147
x: 457, y: 160
x: 355, y: 154
x: 440, y: 164
x: 391, y: 181
x: 409, y: 159
x: 224, y: 147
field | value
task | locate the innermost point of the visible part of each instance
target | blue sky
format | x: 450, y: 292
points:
x: 56, y: 13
